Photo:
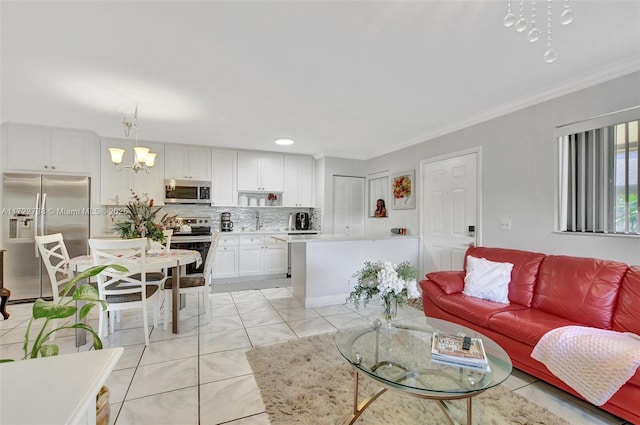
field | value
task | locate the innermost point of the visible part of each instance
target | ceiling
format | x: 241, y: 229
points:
x: 352, y: 79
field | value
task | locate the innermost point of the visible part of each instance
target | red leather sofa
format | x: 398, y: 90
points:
x: 545, y: 292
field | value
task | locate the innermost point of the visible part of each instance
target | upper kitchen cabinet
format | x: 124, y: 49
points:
x: 223, y: 182
x: 45, y: 149
x: 116, y: 186
x: 298, y: 181
x: 183, y: 162
x: 260, y: 172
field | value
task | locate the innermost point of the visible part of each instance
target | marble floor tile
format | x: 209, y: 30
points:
x: 162, y: 377
x: 257, y: 305
x: 130, y: 357
x: 213, y: 342
x: 169, y: 408
x: 222, y: 323
x: 222, y: 310
x: 566, y: 406
x: 276, y: 293
x: 340, y: 320
x: 220, y: 299
x: 118, y: 383
x: 297, y: 313
x: 229, y: 399
x: 124, y: 337
x: 308, y: 327
x: 260, y: 317
x: 286, y: 303
x: 333, y: 309
x: 224, y: 365
x: 270, y: 334
x: 247, y: 296
x: 170, y: 349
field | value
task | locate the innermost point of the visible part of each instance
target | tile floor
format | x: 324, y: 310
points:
x: 201, y: 375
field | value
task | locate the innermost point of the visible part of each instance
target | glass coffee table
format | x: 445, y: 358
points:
x: 398, y: 358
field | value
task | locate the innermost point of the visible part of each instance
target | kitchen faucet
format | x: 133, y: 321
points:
x: 257, y: 220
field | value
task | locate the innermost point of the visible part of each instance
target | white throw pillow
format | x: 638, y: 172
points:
x: 488, y: 280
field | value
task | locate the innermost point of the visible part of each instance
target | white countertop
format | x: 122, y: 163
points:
x: 337, y: 238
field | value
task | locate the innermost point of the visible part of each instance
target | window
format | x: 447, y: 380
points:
x: 599, y: 178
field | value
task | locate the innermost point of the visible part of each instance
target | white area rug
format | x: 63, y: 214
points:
x: 307, y: 382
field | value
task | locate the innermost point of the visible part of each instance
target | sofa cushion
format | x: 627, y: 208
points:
x: 626, y: 317
x: 526, y: 325
x: 488, y: 280
x: 472, y: 309
x: 581, y: 290
x: 523, y: 275
x: 451, y: 282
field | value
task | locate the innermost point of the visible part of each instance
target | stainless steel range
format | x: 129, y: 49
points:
x: 193, y: 233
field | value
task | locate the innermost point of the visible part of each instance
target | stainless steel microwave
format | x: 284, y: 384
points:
x: 187, y: 192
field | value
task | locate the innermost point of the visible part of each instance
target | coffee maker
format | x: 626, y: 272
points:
x: 226, y: 225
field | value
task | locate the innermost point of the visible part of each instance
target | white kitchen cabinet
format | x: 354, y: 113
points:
x: 187, y: 162
x: 223, y: 173
x: 116, y: 186
x: 46, y: 149
x: 298, y: 181
x: 262, y: 255
x: 226, y: 259
x: 275, y: 257
x: 260, y: 172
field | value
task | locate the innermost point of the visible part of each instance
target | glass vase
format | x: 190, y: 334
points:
x: 390, y: 308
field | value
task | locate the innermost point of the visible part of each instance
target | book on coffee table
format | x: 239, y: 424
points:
x: 453, y: 350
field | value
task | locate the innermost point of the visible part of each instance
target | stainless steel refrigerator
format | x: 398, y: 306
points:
x: 35, y: 204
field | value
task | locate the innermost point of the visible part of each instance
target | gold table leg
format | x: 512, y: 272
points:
x: 358, y: 409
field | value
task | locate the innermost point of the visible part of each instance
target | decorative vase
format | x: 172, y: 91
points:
x: 390, y: 308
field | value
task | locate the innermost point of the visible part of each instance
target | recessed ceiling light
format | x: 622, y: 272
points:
x: 284, y: 142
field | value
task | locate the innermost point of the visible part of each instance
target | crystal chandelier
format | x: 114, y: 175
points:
x: 142, y: 158
x: 521, y: 24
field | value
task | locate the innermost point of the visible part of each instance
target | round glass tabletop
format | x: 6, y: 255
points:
x: 399, y: 356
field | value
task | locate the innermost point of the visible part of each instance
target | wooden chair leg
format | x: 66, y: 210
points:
x: 4, y: 296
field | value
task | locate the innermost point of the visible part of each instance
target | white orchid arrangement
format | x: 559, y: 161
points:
x: 386, y: 279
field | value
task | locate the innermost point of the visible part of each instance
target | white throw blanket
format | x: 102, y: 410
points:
x: 594, y: 362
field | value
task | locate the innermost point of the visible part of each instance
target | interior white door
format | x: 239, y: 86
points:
x: 348, y: 205
x: 450, y: 205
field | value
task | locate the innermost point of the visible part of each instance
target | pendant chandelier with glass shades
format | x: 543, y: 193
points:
x: 143, y: 159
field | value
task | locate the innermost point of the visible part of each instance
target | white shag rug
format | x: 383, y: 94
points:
x: 308, y: 382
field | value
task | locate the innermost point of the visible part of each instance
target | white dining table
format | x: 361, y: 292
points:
x: 157, y: 260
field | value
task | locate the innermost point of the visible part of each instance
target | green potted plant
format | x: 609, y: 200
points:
x: 64, y: 309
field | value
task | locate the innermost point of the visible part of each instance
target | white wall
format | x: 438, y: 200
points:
x: 519, y: 155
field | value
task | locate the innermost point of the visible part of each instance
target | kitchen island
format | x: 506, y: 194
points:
x: 322, y: 266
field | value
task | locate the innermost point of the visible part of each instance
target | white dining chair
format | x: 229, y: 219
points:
x: 199, y: 284
x: 55, y: 258
x: 124, y: 290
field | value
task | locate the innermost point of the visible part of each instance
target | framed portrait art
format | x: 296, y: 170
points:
x: 378, y: 196
x: 403, y: 189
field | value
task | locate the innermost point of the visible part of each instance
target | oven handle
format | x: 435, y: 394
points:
x: 190, y: 239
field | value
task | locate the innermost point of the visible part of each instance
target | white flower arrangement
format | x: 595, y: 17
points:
x: 390, y: 281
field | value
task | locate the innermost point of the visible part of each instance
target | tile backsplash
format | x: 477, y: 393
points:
x: 270, y: 218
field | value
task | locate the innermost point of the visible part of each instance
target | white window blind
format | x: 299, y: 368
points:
x: 599, y: 179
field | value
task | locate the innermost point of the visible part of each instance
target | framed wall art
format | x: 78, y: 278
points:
x: 403, y: 190
x: 378, y: 196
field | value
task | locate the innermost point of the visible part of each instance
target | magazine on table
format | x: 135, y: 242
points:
x: 456, y: 350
